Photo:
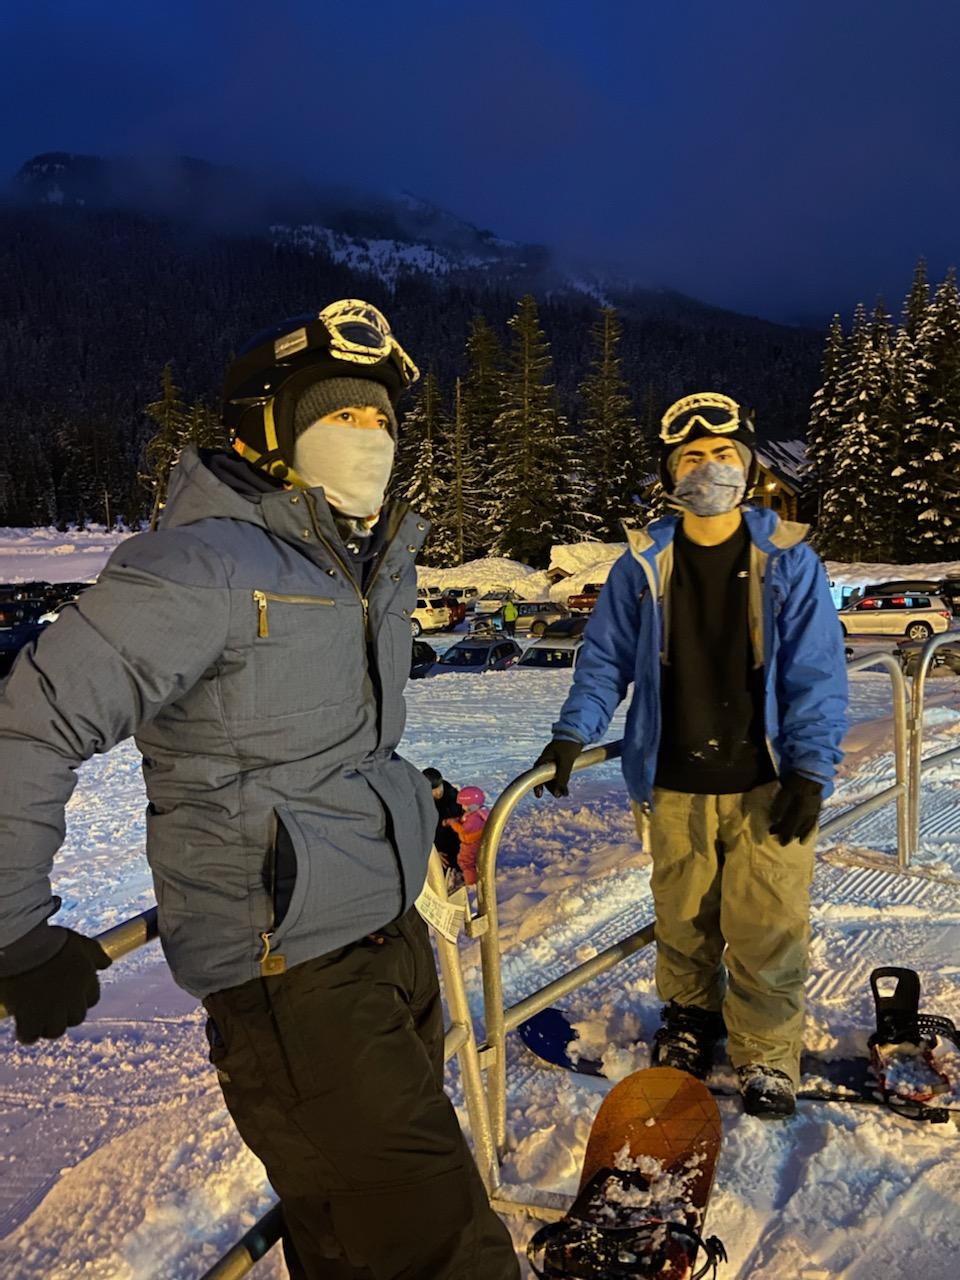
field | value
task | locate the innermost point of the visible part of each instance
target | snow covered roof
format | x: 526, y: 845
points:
x: 785, y: 458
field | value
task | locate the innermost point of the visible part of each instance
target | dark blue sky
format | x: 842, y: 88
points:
x: 786, y: 157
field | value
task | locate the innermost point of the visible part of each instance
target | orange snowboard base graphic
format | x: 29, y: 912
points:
x: 661, y: 1113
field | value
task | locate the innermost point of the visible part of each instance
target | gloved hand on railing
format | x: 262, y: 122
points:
x: 562, y: 752
x: 795, y: 808
x: 57, y: 993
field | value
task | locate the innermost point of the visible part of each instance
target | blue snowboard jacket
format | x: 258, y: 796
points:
x: 794, y: 633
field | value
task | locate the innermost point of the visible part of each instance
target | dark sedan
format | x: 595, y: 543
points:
x: 12, y: 640
x: 422, y: 658
x: 478, y: 655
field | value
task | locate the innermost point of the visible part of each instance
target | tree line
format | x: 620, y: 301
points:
x: 883, y: 441
x: 94, y: 304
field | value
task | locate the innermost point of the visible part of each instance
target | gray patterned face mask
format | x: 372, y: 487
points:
x: 712, y: 489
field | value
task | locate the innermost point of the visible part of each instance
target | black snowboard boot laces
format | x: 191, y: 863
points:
x: 579, y: 1248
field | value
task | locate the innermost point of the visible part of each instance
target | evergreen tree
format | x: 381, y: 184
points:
x: 530, y: 436
x: 930, y: 506
x: 610, y: 433
x: 822, y: 426
x: 916, y: 302
x: 163, y: 448
x: 481, y: 398
x: 462, y: 511
x: 897, y: 412
x: 426, y: 492
x: 849, y: 517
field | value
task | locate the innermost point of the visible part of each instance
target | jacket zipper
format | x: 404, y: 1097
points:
x: 347, y: 573
x: 261, y: 598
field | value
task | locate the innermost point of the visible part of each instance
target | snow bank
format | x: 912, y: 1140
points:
x: 47, y: 555
x: 858, y: 575
x: 493, y: 573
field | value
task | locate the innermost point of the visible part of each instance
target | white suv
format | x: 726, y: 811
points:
x: 431, y: 614
x: 912, y: 615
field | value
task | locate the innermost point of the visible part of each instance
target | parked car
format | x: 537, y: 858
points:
x: 430, y: 614
x: 60, y: 592
x: 491, y: 601
x: 17, y: 612
x: 478, y: 655
x: 585, y: 600
x: 12, y: 640
x: 466, y: 595
x: 458, y: 610
x: 422, y: 658
x: 913, y: 616
x: 54, y: 611
x: 946, y: 655
x: 533, y: 616
x: 23, y: 592
x: 568, y: 628
x: 553, y: 654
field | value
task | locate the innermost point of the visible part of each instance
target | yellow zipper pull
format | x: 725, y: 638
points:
x: 365, y: 606
x: 263, y: 628
x: 270, y: 964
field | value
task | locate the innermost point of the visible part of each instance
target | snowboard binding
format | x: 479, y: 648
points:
x: 583, y: 1247
x: 902, y: 1047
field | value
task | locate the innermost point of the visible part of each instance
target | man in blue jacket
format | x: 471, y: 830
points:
x: 722, y: 619
x: 257, y: 646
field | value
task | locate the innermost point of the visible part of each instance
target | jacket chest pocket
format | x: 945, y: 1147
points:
x: 307, y: 652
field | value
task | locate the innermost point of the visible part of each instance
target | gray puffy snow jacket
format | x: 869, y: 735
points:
x: 264, y: 690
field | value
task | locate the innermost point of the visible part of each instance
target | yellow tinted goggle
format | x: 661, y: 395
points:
x: 360, y: 334
x: 710, y: 410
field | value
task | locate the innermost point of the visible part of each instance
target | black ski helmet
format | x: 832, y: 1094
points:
x: 707, y: 413
x: 266, y: 378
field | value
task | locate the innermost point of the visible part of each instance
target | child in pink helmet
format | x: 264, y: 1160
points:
x: 470, y: 829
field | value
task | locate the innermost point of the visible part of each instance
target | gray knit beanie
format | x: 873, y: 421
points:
x: 330, y: 394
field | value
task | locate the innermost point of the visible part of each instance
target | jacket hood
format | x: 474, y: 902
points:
x: 197, y: 492
x: 767, y: 531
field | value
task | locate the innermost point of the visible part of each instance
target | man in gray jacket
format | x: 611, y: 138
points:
x: 257, y: 646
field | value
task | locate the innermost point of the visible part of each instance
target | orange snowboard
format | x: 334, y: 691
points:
x: 662, y: 1113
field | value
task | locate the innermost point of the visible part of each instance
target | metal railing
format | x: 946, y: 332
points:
x: 900, y: 789
x: 917, y: 762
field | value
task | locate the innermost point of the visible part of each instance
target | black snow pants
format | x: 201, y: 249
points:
x: 333, y: 1075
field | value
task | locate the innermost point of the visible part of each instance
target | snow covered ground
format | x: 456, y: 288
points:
x: 118, y: 1161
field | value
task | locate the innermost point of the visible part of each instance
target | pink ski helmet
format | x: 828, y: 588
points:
x: 470, y: 795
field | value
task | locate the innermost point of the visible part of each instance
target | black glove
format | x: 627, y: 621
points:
x: 56, y: 994
x: 561, y: 752
x: 795, y: 808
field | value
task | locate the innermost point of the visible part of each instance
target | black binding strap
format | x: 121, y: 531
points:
x: 576, y: 1248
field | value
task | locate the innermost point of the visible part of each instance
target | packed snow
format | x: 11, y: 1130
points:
x: 119, y: 1161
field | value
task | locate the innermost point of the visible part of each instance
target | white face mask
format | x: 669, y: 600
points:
x: 351, y: 464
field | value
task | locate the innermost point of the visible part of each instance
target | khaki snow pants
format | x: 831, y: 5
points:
x: 732, y: 918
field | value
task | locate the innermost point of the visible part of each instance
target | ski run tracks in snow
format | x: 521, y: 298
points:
x: 119, y: 1162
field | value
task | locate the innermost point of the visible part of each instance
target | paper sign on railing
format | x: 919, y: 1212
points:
x: 446, y: 917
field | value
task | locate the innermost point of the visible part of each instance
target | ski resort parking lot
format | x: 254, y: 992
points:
x: 118, y: 1159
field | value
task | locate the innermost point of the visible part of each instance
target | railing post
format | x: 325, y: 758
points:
x: 461, y: 1023
x: 487, y: 925
x: 916, y: 730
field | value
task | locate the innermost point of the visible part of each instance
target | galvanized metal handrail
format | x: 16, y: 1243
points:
x: 899, y: 790
x: 498, y: 1020
x: 917, y: 762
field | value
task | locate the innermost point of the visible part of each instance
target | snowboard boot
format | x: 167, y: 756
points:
x: 766, y: 1091
x: 686, y: 1039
